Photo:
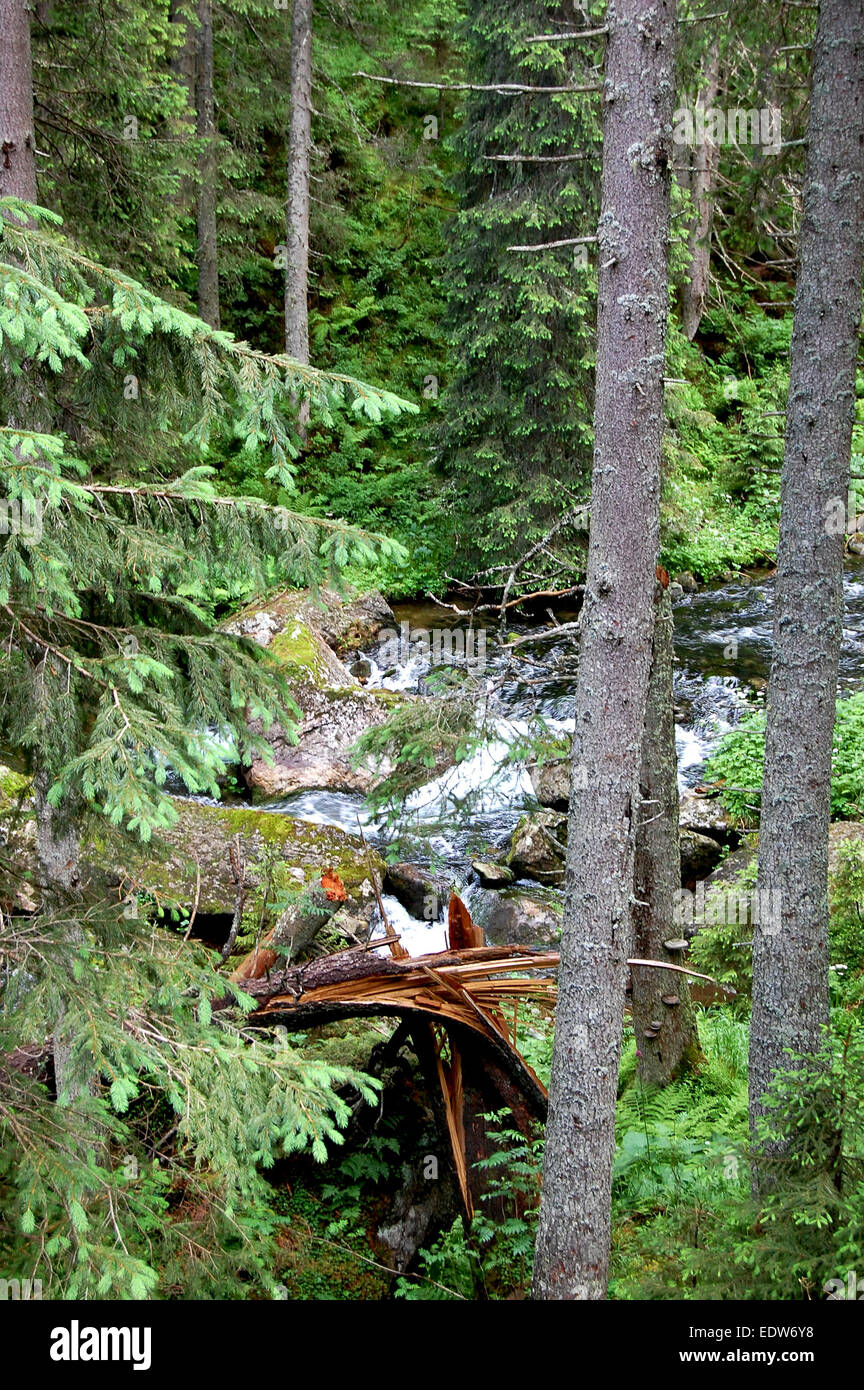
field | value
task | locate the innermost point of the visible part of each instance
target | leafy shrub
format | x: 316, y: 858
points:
x: 847, y: 909
x: 685, y: 1230
x: 724, y: 949
x: 737, y: 762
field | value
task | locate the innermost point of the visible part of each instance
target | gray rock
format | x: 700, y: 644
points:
x: 355, y: 922
x: 348, y: 624
x: 538, y: 845
x: 334, y: 708
x: 840, y: 834
x: 191, y: 861
x: 422, y: 1208
x: 699, y: 855
x: 706, y: 816
x: 492, y: 875
x: 551, y: 783
x: 687, y: 582
x: 523, y: 919
x: 420, y: 892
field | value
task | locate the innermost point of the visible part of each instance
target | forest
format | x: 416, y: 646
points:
x: 432, y: 654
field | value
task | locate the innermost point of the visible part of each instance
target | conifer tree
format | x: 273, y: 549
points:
x: 574, y: 1232
x: 790, y: 956
x: 115, y: 548
x: 516, y: 433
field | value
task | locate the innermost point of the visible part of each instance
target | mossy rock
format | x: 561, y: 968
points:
x: 334, y: 708
x: 13, y: 786
x: 298, y: 852
x: 537, y: 847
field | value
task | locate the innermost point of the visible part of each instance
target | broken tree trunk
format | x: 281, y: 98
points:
x: 461, y: 1009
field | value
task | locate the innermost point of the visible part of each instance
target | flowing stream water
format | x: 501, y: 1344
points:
x: 723, y: 649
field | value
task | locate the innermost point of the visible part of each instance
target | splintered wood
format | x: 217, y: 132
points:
x: 463, y: 1008
x: 469, y: 987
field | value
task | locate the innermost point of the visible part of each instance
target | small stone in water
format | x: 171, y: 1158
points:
x: 492, y: 875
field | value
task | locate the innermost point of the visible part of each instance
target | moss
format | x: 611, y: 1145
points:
x: 12, y: 785
x: 391, y: 699
x: 202, y: 837
x: 299, y: 653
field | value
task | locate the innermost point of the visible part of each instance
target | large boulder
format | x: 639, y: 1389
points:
x: 840, y: 834
x: 492, y: 875
x: 334, y: 708
x: 196, y: 857
x: 347, y: 624
x: 699, y: 855
x: 537, y: 848
x: 523, y: 919
x: 195, y: 864
x: 705, y: 815
x: 551, y: 783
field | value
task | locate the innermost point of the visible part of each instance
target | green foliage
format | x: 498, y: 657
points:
x: 723, y: 948
x: 109, y: 121
x: 736, y: 764
x: 846, y: 895
x: 113, y: 583
x: 687, y: 1136
x: 808, y: 1229
x: 724, y: 445
x: 315, y: 1262
x: 687, y: 1227
x: 377, y: 233
x: 723, y: 945
x: 497, y: 1252
x: 146, y: 1170
x: 516, y: 424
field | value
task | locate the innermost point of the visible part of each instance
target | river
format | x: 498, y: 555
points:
x: 723, y: 649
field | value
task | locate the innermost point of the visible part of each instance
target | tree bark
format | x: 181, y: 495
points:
x: 183, y: 64
x: 17, y: 141
x: 657, y: 878
x: 58, y: 870
x: 208, y: 253
x: 698, y: 177
x: 790, y: 947
x: 299, y: 146
x: 572, y: 1253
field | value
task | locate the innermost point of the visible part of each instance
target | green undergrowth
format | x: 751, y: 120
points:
x: 736, y: 765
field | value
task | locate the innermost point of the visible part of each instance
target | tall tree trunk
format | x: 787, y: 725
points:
x: 183, y: 128
x: 208, y: 254
x: 299, y: 146
x: 17, y: 141
x: 657, y: 879
x: 572, y: 1254
x: 790, y: 948
x: 698, y: 176
x: 58, y: 870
